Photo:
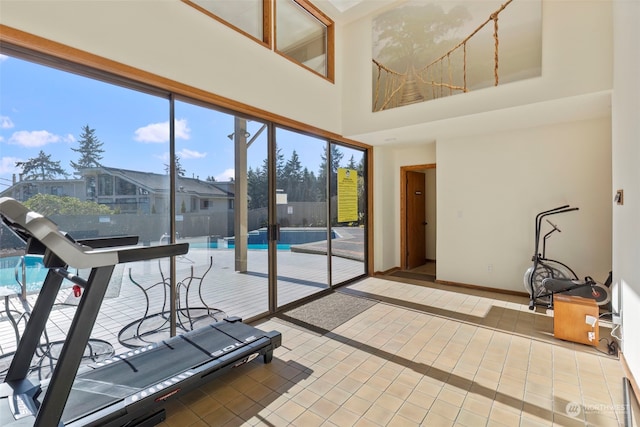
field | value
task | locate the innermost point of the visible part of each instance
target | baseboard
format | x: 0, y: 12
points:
x: 386, y: 272
x: 482, y: 288
x: 630, y: 377
x: 461, y: 285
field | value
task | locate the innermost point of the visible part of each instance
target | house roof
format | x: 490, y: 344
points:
x: 158, y: 183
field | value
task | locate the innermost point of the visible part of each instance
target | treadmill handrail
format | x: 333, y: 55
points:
x: 74, y: 253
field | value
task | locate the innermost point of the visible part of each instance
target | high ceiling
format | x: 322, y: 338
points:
x: 580, y: 107
x: 345, y: 11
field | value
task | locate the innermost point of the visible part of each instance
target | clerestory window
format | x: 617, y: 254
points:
x: 305, y: 35
x: 301, y: 31
x: 250, y: 17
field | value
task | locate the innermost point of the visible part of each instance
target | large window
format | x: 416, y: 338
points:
x: 255, y: 200
x: 94, y: 160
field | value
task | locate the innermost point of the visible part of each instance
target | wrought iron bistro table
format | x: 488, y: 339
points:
x: 152, y: 327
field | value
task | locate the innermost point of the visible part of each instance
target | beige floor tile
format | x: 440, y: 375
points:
x: 470, y: 419
x: 436, y: 420
x: 219, y: 416
x: 380, y: 415
x: 306, y: 398
x: 310, y: 419
x: 337, y: 395
x: 445, y: 409
x: 324, y: 407
x: 357, y: 405
x: 395, y: 366
x: 344, y: 417
x: 412, y: 412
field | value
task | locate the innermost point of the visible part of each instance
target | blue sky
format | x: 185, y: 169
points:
x: 42, y: 108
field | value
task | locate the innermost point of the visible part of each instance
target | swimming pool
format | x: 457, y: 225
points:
x: 35, y: 272
x: 231, y: 245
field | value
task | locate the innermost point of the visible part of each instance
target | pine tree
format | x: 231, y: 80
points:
x: 90, y: 149
x: 292, y: 177
x: 41, y: 167
x: 332, y: 170
x: 179, y: 170
x: 352, y: 163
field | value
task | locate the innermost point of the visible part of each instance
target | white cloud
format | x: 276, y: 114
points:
x: 8, y: 165
x: 35, y: 138
x: 190, y: 154
x: 3, y: 57
x: 227, y: 175
x: 6, y: 122
x: 159, y: 132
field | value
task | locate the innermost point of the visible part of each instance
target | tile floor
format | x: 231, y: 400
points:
x: 421, y: 356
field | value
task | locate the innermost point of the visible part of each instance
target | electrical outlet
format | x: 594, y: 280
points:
x: 616, y: 319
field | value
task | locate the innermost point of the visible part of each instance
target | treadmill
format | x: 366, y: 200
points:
x: 130, y: 389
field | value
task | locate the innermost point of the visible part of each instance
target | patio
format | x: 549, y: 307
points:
x: 208, y: 287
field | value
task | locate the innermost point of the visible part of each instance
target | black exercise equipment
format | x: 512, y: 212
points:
x: 547, y: 277
x: 129, y: 389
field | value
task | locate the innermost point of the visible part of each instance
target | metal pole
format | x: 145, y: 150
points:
x: 173, y: 318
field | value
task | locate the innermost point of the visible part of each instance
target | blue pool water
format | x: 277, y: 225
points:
x: 231, y: 245
x: 35, y: 272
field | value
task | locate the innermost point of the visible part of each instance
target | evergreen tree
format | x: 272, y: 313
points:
x: 336, y: 157
x: 352, y: 163
x: 292, y: 177
x: 310, y: 190
x: 41, y: 167
x: 257, y: 188
x: 90, y: 149
x: 179, y: 170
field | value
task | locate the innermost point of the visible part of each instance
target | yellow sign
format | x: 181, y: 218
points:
x: 347, y: 195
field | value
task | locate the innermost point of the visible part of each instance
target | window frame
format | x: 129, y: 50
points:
x: 316, y: 13
x: 54, y: 54
x: 267, y: 30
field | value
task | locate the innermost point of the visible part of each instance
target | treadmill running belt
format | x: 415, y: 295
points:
x: 137, y: 370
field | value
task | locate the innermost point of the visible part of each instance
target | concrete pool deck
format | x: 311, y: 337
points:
x: 299, y: 274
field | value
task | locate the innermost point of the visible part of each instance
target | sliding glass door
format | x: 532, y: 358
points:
x: 301, y: 212
x: 348, y: 213
x: 271, y: 215
x: 222, y: 211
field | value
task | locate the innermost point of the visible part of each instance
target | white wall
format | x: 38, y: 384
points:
x: 626, y: 175
x: 575, y: 60
x: 174, y: 40
x: 490, y: 187
x: 576, y: 66
x: 386, y: 181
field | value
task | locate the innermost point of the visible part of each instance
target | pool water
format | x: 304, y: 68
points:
x: 252, y: 246
x: 34, y: 269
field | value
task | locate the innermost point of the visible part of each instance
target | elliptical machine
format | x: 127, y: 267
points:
x: 547, y: 277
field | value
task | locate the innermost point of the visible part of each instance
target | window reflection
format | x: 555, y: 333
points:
x: 301, y: 36
x: 245, y: 16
